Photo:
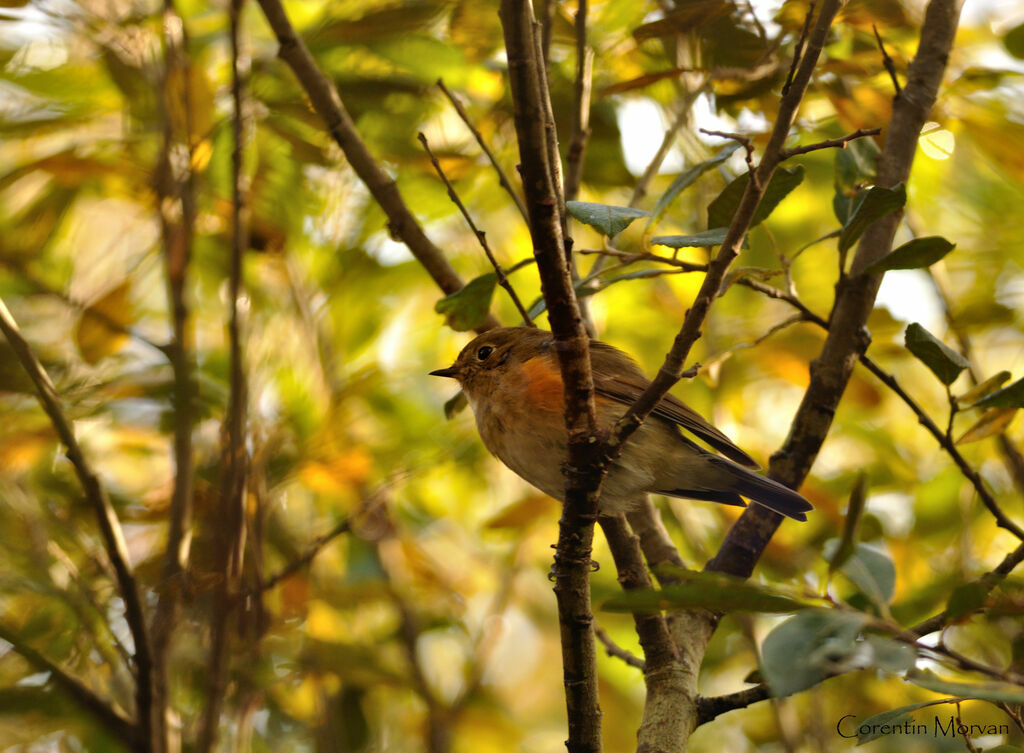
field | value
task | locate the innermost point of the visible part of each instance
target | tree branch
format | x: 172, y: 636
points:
x: 576, y: 527
x: 115, y: 724
x: 855, y: 297
x: 481, y: 236
x: 110, y: 526
x: 328, y: 104
x: 581, y: 107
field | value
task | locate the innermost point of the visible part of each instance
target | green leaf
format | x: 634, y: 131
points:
x: 1013, y: 40
x: 944, y: 362
x: 713, y: 237
x: 874, y: 725
x: 992, y: 421
x: 854, y: 509
x: 877, y: 203
x: 455, y: 405
x: 467, y: 308
x: 984, y: 389
x: 605, y: 218
x: 967, y: 598
x: 916, y: 254
x: 720, y: 593
x: 870, y: 569
x: 988, y: 691
x: 807, y: 648
x: 1011, y: 396
x: 686, y: 179
x: 855, y: 165
x: 722, y: 209
x: 889, y: 654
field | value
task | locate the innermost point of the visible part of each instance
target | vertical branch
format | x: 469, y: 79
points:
x: 177, y: 219
x: 110, y: 528
x: 855, y: 295
x: 234, y: 458
x: 576, y: 527
x: 581, y: 110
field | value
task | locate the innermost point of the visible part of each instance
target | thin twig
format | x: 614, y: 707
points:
x: 481, y: 236
x: 709, y: 708
x: 230, y: 535
x: 839, y: 143
x: 502, y: 176
x: 744, y: 141
x: 799, y: 50
x: 326, y: 100
x: 615, y: 650
x: 581, y: 108
x: 343, y: 526
x: 110, y: 527
x: 890, y: 66
x: 667, y: 140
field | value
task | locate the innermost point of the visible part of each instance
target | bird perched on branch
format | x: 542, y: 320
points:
x: 512, y: 380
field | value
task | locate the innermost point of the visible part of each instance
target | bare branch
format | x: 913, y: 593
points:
x: 799, y: 50
x: 328, y: 104
x: 744, y: 141
x: 481, y: 236
x: 307, y: 557
x: 839, y: 143
x: 581, y: 108
x: 615, y: 650
x: 887, y: 61
x: 502, y: 177
x: 709, y: 708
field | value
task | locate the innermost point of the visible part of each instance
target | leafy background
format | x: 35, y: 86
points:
x: 436, y: 612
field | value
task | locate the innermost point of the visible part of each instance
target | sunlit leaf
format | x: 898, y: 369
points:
x: 713, y: 237
x: 467, y: 307
x: 101, y: 328
x: 1011, y: 396
x: 993, y: 421
x: 607, y: 219
x: 875, y: 726
x: 944, y: 362
x: 706, y: 590
x: 996, y: 692
x: 984, y: 388
x: 683, y: 19
x: 722, y: 209
x: 524, y: 512
x: 916, y: 254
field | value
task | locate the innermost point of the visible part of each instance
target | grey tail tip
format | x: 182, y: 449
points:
x: 791, y: 505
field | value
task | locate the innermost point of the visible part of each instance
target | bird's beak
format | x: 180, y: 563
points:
x: 449, y: 372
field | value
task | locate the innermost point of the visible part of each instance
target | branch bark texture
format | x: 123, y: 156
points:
x: 855, y: 295
x: 328, y: 104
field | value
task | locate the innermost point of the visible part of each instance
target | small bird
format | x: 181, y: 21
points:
x: 513, y: 383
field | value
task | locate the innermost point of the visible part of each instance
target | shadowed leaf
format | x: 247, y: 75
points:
x: 984, y: 389
x: 722, y: 209
x: 1011, y: 396
x: 466, y: 308
x: 705, y: 239
x: 877, y: 203
x: 944, y: 362
x: 916, y: 254
x: 686, y: 179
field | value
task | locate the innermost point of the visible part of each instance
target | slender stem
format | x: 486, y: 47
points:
x: 581, y: 108
x: 502, y: 176
x: 481, y: 236
x: 110, y: 527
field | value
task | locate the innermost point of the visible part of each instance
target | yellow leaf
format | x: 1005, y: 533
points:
x: 992, y: 421
x: 101, y: 330
x: 522, y: 513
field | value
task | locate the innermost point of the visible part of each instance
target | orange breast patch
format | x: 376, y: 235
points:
x: 543, y: 385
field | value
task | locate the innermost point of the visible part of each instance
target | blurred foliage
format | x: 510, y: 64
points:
x: 435, y: 611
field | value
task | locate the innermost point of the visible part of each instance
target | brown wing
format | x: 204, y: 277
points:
x: 616, y: 376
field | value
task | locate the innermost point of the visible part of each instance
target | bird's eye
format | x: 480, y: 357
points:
x: 484, y: 352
